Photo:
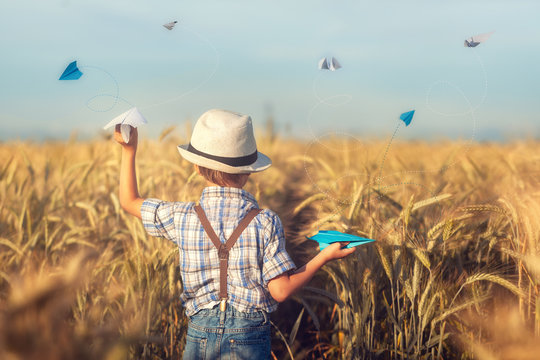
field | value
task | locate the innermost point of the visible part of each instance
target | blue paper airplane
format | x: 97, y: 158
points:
x: 327, y: 237
x: 71, y: 72
x: 407, y: 117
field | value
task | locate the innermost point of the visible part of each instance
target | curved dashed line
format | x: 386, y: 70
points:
x: 471, y: 112
x: 321, y: 100
x: 116, y: 97
x: 197, y: 87
x: 379, y: 178
x: 327, y: 133
x: 386, y: 153
x: 472, y: 109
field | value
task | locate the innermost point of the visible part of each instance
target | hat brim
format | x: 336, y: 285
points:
x: 263, y: 162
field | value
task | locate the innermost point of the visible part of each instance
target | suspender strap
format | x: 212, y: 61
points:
x: 224, y: 248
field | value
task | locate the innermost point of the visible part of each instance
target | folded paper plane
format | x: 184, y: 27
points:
x: 407, y: 117
x: 169, y: 26
x: 327, y: 237
x: 474, y: 41
x: 72, y: 72
x: 132, y: 117
x: 326, y: 64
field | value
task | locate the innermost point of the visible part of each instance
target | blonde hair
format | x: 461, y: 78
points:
x: 222, y: 178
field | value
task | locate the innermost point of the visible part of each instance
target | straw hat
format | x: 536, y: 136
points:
x: 224, y: 140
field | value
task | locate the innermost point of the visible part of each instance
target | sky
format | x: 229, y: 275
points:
x: 260, y: 58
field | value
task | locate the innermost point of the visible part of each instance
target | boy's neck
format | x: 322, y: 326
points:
x: 209, y: 183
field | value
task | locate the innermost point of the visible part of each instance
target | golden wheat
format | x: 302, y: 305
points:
x: 456, y: 231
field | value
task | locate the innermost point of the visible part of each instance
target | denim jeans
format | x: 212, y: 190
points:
x: 231, y: 334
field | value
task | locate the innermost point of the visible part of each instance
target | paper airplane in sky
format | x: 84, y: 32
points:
x: 170, y: 25
x: 407, y: 117
x: 72, y: 72
x: 332, y: 64
x: 327, y: 237
x: 132, y: 117
x: 474, y: 41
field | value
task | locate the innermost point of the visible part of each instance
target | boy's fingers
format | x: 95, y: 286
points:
x: 118, y: 135
x: 347, y: 252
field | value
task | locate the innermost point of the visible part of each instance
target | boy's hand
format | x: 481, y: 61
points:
x: 133, y: 138
x: 336, y: 250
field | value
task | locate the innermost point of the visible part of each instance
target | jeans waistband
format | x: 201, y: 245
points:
x: 231, y: 312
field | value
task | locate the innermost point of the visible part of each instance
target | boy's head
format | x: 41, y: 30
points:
x: 224, y: 141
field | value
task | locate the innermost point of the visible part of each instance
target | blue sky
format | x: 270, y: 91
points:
x: 260, y: 57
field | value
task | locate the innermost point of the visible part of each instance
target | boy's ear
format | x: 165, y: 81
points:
x: 197, y: 169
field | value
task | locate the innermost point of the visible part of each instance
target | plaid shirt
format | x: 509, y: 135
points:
x: 258, y: 255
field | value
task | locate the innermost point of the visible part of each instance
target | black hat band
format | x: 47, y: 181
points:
x: 231, y: 161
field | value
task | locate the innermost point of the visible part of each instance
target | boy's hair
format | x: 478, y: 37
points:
x: 222, y: 178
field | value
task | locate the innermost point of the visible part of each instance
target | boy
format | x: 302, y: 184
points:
x: 233, y: 262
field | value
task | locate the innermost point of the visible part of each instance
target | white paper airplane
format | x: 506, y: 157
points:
x: 474, y: 41
x: 132, y: 117
x: 170, y: 25
x: 332, y: 64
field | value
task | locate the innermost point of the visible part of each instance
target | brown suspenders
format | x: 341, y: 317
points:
x: 224, y: 248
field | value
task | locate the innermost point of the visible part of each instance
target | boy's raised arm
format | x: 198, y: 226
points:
x: 129, y: 193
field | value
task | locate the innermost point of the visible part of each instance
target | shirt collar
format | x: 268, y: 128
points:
x: 227, y: 192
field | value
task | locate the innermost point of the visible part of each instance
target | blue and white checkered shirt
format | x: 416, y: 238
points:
x: 258, y: 255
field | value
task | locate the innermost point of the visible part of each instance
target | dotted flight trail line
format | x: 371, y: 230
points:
x: 326, y: 101
x: 347, y: 97
x: 198, y: 86
x: 472, y: 109
x: 470, y: 112
x: 115, y: 97
x: 386, y: 153
x: 88, y: 104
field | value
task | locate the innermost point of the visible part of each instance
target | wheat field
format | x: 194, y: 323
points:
x: 454, y: 273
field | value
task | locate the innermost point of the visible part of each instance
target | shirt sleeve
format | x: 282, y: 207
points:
x: 158, y: 218
x: 276, y: 260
